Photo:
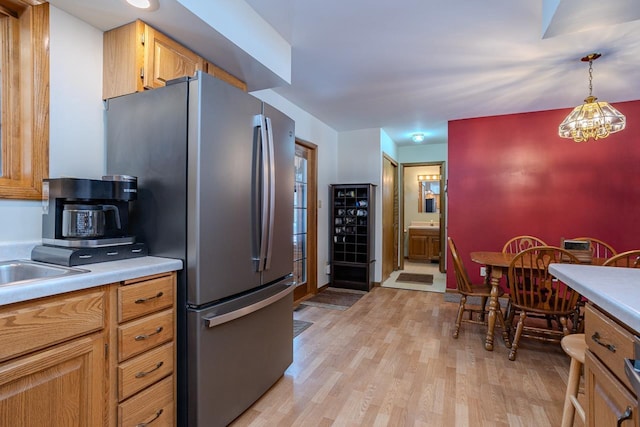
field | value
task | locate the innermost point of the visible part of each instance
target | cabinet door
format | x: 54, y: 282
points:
x: 164, y: 59
x: 59, y: 387
x: 608, y: 400
x: 434, y: 248
x: 418, y: 246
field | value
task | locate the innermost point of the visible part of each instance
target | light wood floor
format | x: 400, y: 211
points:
x: 390, y: 360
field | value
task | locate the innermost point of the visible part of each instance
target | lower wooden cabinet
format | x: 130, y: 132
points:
x: 611, y: 400
x: 144, y: 352
x: 54, y: 378
x: 608, y: 400
x: 103, y: 356
x: 424, y: 244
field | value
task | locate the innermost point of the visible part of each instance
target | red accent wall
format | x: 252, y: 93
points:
x: 513, y: 174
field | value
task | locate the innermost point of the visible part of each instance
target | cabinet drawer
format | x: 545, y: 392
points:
x: 143, y: 334
x: 144, y: 370
x: 616, y: 343
x: 33, y: 325
x: 153, y: 407
x: 608, y: 400
x: 145, y: 297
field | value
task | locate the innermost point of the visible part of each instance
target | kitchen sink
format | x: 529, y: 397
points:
x: 25, y: 270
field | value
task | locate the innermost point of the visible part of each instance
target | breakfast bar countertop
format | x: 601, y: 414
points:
x: 615, y: 290
x: 98, y: 274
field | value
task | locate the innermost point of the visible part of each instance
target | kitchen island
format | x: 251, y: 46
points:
x: 612, y: 325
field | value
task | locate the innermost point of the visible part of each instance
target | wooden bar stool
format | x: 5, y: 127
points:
x: 575, y: 346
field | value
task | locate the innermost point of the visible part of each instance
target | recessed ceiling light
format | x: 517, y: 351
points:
x: 144, y: 4
x: 417, y: 137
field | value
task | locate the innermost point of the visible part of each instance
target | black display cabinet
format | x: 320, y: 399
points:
x: 352, y: 235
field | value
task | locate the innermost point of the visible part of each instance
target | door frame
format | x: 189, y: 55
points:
x: 310, y: 287
x: 395, y: 217
x: 443, y: 208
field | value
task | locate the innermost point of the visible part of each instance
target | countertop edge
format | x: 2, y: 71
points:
x: 99, y: 274
x: 615, y: 290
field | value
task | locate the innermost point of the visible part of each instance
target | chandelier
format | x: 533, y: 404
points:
x: 592, y: 119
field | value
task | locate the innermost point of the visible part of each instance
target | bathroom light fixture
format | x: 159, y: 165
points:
x: 147, y: 5
x: 417, y: 137
x: 434, y: 177
x: 592, y: 119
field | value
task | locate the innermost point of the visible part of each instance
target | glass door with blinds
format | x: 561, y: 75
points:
x: 300, y: 219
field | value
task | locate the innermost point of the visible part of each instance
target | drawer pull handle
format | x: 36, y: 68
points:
x: 143, y: 374
x: 151, y: 420
x: 143, y: 300
x: 625, y: 416
x: 596, y: 338
x: 142, y: 337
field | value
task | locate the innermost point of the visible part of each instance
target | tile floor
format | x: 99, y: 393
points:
x: 439, y: 279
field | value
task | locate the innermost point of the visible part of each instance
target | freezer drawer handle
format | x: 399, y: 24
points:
x: 244, y: 311
x: 143, y: 337
x: 152, y: 420
x: 142, y: 300
x: 143, y: 374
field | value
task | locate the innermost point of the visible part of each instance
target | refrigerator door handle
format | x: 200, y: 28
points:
x: 260, y: 121
x: 272, y: 192
x: 244, y: 311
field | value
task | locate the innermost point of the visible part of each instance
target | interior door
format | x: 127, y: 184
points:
x: 389, y: 218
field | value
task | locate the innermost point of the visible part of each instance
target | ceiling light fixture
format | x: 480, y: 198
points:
x: 148, y: 5
x: 417, y: 137
x: 592, y: 119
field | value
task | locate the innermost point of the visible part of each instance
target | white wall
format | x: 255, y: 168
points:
x: 310, y: 129
x: 422, y: 153
x: 76, y: 136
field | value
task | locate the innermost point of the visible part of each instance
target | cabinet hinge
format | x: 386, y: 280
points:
x: 142, y: 72
x: 142, y: 39
x: 106, y: 351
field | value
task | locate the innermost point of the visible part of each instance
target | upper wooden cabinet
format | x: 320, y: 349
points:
x: 138, y: 57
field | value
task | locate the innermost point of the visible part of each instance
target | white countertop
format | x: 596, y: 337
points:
x: 99, y: 274
x: 616, y: 290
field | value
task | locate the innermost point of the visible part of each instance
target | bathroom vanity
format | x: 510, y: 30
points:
x: 424, y: 241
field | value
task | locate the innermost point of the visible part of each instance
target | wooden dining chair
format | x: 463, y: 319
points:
x: 629, y: 259
x: 534, y: 292
x: 599, y: 249
x: 468, y: 289
x: 520, y: 243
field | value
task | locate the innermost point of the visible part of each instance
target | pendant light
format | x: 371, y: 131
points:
x: 592, y: 119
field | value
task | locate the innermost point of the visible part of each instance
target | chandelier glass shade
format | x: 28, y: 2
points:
x: 592, y: 119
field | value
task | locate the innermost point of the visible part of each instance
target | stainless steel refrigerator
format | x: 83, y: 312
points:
x: 215, y: 188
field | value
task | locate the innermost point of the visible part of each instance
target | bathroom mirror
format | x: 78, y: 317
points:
x: 428, y: 195
x: 24, y: 99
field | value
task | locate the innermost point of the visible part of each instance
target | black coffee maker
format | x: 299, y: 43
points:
x: 86, y: 220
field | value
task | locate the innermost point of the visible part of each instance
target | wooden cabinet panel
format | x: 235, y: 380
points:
x: 144, y: 370
x: 153, y: 406
x: 221, y: 74
x: 608, y: 400
x: 138, y: 57
x: 418, y: 246
x: 141, y: 335
x: 60, y: 387
x: 34, y: 325
x: 424, y: 244
x: 145, y: 297
x: 610, y: 342
x: 165, y: 60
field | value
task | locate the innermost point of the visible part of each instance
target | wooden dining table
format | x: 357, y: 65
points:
x: 497, y: 264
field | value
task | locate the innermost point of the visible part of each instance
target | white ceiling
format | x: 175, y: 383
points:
x: 412, y: 65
